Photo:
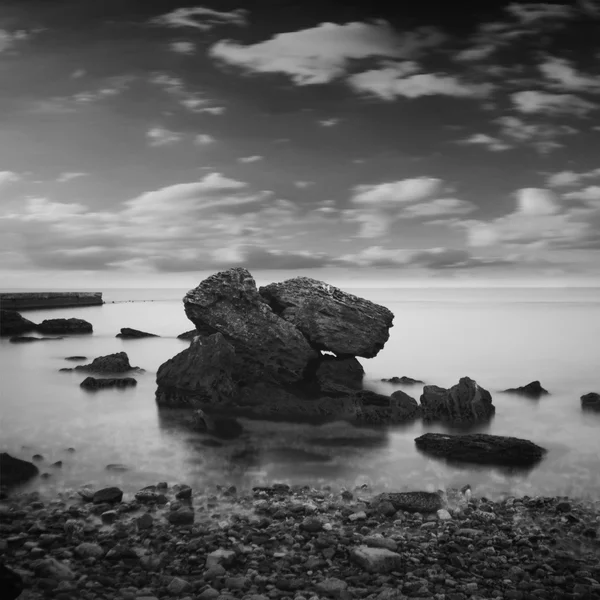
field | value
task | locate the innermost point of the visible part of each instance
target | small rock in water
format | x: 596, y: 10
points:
x: 37, y: 457
x: 591, y: 401
x: 185, y: 493
x: 116, y: 467
x: 531, y: 390
x: 76, y: 358
x: 109, y: 495
x: 403, y: 380
x: 58, y: 464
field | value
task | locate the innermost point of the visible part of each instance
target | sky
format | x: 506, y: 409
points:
x: 151, y: 143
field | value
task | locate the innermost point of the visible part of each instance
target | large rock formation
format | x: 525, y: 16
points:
x: 12, y: 323
x: 329, y: 318
x: 463, y: 403
x: 481, y: 448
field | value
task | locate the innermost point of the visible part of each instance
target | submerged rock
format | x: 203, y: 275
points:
x: 93, y: 383
x: 481, y: 448
x: 24, y: 339
x: 531, y: 390
x: 14, y: 471
x: 224, y: 428
x: 463, y: 403
x: 12, y: 323
x: 421, y: 502
x: 591, y: 401
x: 403, y: 380
x: 65, y: 326
x: 127, y: 332
x: 329, y: 318
x: 111, y: 363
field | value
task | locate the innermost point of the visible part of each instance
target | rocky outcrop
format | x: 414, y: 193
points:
x: 481, y: 448
x: 421, y: 502
x: 188, y: 335
x: 329, y: 318
x: 463, y: 403
x: 37, y: 300
x: 12, y: 323
x: 591, y: 402
x: 58, y: 326
x: 14, y: 471
x: 341, y: 371
x: 531, y: 390
x: 111, y: 363
x: 93, y: 383
x: 128, y: 333
x: 26, y: 339
x: 403, y: 380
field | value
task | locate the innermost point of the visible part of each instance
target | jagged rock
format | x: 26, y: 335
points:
x: 406, y: 405
x: 111, y: 363
x: 481, y: 448
x: 188, y: 335
x: 110, y: 495
x: 531, y: 390
x: 11, y: 583
x: 127, y: 332
x: 343, y: 371
x: 93, y: 383
x: 65, y: 326
x: 591, y: 401
x: 224, y: 428
x: 421, y: 502
x: 403, y: 380
x: 12, y: 323
x: 14, y: 471
x: 463, y: 403
x: 330, y: 318
x: 229, y: 303
x: 24, y: 339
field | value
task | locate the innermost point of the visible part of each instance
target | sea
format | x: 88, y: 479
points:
x: 500, y: 337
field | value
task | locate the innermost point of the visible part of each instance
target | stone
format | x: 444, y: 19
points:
x: 178, y: 586
x: 54, y: 326
x: 188, y: 335
x: 14, y: 471
x: 185, y: 493
x: 407, y: 408
x: 374, y: 541
x: 145, y: 521
x: 220, y: 557
x: 116, y: 467
x: 329, y: 318
x: 444, y: 515
x: 481, y: 448
x: 111, y: 363
x: 76, y: 358
x: 183, y: 516
x: 12, y: 323
x: 312, y: 524
x: 591, y: 402
x: 11, y: 583
x: 209, y: 594
x: 94, y: 383
x: 109, y: 517
x: 346, y: 371
x: 403, y: 380
x: 532, y: 390
x: 332, y: 586
x: 376, y: 560
x: 89, y: 550
x: 52, y: 568
x: 128, y: 333
x: 109, y: 495
x: 421, y: 502
x: 465, y: 402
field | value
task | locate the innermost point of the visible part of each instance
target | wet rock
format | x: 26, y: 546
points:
x: 220, y: 427
x: 128, y: 333
x: 221, y: 557
x: 24, y: 339
x: 94, y: 383
x: 58, y: 326
x: 89, y: 550
x: 109, y: 517
x: 403, y: 380
x: 37, y: 457
x: 481, y: 448
x: 343, y: 371
x: 145, y: 521
x: 531, y: 390
x: 14, y: 471
x: 116, y: 467
x: 111, y: 363
x: 188, y: 335
x: 57, y: 465
x: 76, y: 358
x: 109, y: 495
x: 178, y: 586
x: 591, y: 402
x: 12, y: 323
x: 183, y: 516
x: 329, y: 318
x: 332, y: 586
x: 11, y: 583
x: 376, y: 560
x: 53, y: 568
x: 421, y: 502
x: 463, y: 403
x: 185, y: 493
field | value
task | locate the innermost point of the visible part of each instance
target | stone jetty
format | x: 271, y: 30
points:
x: 39, y: 300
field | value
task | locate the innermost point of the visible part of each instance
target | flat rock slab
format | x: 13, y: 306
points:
x: 481, y: 448
x: 330, y: 318
x: 65, y: 326
x: 591, y: 401
x: 376, y: 560
x: 531, y: 390
x: 93, y: 383
x: 421, y: 502
x: 128, y: 333
x: 14, y: 471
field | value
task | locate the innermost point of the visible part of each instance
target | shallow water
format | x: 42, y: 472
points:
x: 501, y: 338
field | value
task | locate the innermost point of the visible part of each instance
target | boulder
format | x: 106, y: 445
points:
x: 403, y: 380
x: 129, y: 333
x: 11, y: 583
x: 93, y: 383
x: 111, y: 363
x: 591, y: 401
x: 229, y: 303
x: 343, y: 371
x: 376, y: 560
x: 188, y: 335
x: 12, y: 323
x: 329, y: 318
x: 25, y: 339
x: 531, y: 390
x: 14, y: 471
x: 463, y: 403
x: 377, y: 409
x: 57, y: 326
x: 481, y: 448
x: 421, y: 502
x: 110, y: 495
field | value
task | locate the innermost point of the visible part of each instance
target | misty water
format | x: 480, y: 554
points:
x: 499, y: 337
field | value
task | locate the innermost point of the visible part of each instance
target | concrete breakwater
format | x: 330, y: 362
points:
x: 37, y: 300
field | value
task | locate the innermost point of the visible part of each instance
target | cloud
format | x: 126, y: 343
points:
x: 589, y: 194
x: 562, y: 75
x: 536, y: 201
x: 202, y: 18
x: 393, y: 81
x: 8, y: 177
x: 534, y: 12
x: 323, y: 53
x: 377, y: 256
x: 175, y: 87
x: 438, y: 208
x: 204, y: 139
x: 160, y: 136
x: 183, y: 47
x: 328, y: 122
x: 453, y: 258
x: 303, y: 184
x: 568, y: 178
x: 396, y: 192
x: 482, y: 139
x: 475, y: 53
x: 69, y: 176
x: 541, y: 136
x: 533, y: 101
x: 250, y: 159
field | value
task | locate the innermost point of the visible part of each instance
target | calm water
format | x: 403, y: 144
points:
x: 499, y: 337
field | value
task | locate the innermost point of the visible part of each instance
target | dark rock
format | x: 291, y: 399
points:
x: 377, y: 409
x: 127, y: 332
x: 12, y: 323
x: 64, y: 326
x: 93, y: 383
x: 229, y: 303
x: 58, y: 464
x: 421, y: 502
x: 111, y: 363
x: 11, y: 583
x: 591, y: 401
x: 183, y: 516
x: 343, y: 371
x: 24, y: 339
x: 109, y: 495
x: 481, y: 448
x: 75, y: 357
x: 116, y: 467
x: 14, y: 471
x: 329, y: 318
x: 37, y: 457
x: 531, y: 390
x: 465, y: 402
x: 221, y: 427
x: 403, y: 380
x: 188, y: 335
x: 406, y: 406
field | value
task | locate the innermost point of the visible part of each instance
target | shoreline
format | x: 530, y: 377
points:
x: 300, y: 542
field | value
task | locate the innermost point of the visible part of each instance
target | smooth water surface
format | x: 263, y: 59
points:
x: 499, y: 337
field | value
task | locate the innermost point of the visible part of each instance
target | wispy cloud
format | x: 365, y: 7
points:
x: 8, y: 177
x: 535, y: 101
x: 203, y: 139
x: 491, y: 143
x: 160, y: 136
x: 201, y: 18
x: 250, y: 159
x: 69, y: 176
